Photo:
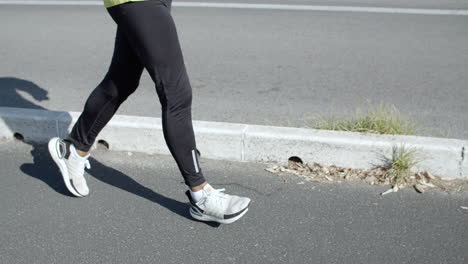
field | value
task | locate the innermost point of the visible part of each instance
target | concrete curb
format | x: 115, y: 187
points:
x: 242, y: 142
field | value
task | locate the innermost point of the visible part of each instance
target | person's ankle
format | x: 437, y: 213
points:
x: 81, y: 153
x: 199, y: 187
x: 202, y: 190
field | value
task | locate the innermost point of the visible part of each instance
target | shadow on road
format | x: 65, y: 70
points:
x: 10, y: 96
x: 43, y: 167
x: 122, y: 181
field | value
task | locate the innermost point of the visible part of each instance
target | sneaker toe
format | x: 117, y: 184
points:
x: 81, y: 188
x: 245, y: 202
x: 239, y: 204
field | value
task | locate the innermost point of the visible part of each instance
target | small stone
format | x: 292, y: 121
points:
x: 328, y: 178
x: 370, y: 180
x: 420, y: 188
x: 302, y: 169
x: 311, y: 165
x: 448, y: 179
x: 293, y: 164
x: 428, y: 184
x: 428, y: 175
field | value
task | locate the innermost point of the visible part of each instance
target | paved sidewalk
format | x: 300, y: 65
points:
x: 137, y: 213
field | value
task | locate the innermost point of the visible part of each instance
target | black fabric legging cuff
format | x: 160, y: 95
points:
x: 146, y: 38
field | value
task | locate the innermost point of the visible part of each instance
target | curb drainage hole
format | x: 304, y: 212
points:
x: 18, y: 136
x: 296, y: 159
x: 102, y: 144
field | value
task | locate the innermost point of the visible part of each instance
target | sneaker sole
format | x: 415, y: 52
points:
x: 208, y: 218
x: 62, y: 166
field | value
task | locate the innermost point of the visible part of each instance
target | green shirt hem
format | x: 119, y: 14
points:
x: 111, y: 3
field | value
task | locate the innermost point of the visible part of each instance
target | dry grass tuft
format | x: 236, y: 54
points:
x: 381, y: 119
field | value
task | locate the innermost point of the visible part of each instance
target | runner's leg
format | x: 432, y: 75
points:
x: 121, y: 80
x: 151, y: 31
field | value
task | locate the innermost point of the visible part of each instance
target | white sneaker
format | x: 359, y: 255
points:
x: 219, y: 207
x: 71, y: 165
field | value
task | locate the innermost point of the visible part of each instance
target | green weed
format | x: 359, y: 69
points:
x: 399, y: 166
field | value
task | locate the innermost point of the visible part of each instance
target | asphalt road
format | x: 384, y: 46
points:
x: 256, y: 66
x: 137, y: 213
x: 437, y: 4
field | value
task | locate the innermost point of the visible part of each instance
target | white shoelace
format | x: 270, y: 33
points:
x: 218, y: 196
x: 87, y: 165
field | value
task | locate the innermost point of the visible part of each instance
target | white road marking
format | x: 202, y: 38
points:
x: 367, y: 9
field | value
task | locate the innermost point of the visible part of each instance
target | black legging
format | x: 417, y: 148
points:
x: 146, y: 38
